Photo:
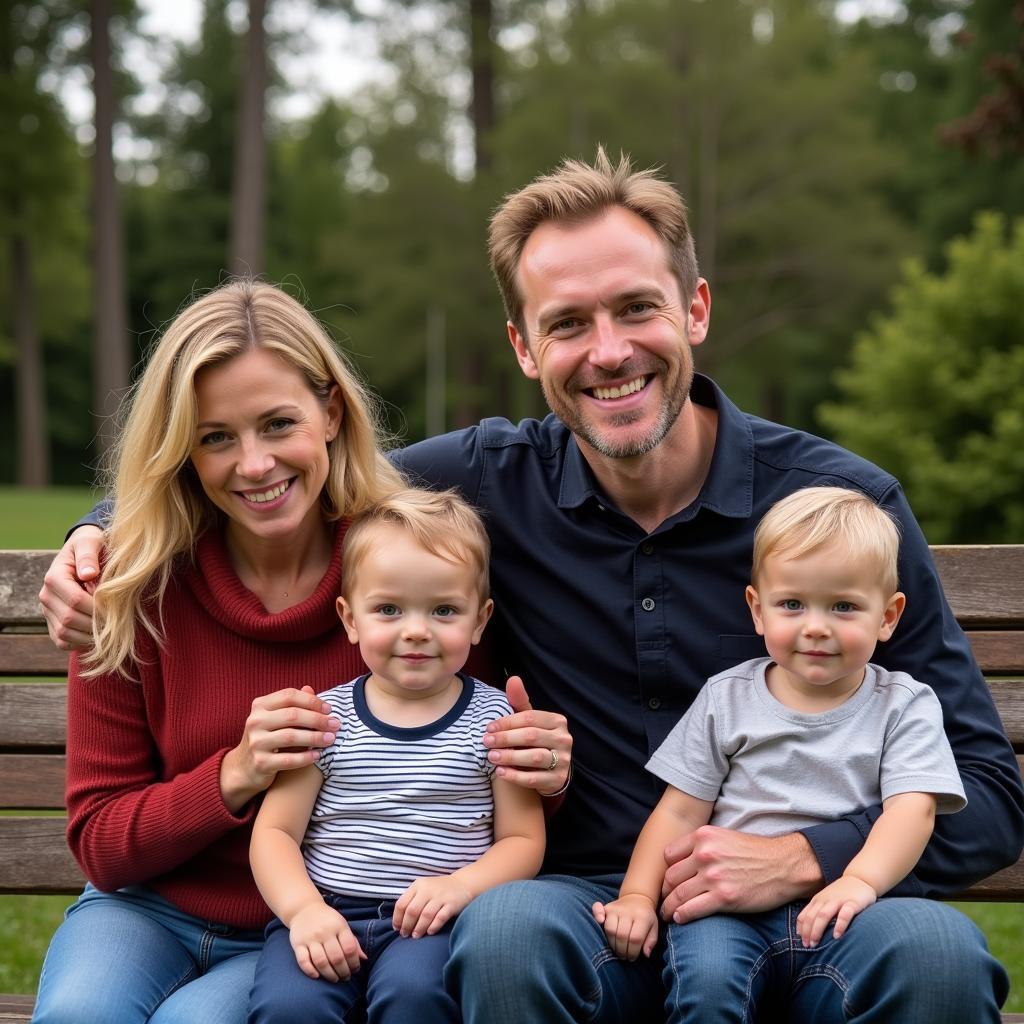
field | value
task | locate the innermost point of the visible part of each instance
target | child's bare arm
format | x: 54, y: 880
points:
x: 893, y: 846
x: 518, y: 849
x: 631, y: 921
x: 324, y: 945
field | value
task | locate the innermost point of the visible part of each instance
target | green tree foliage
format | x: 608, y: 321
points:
x: 934, y: 390
x: 761, y: 115
x: 933, y: 70
x: 43, y: 205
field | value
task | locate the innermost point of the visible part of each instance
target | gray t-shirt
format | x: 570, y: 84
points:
x: 772, y: 770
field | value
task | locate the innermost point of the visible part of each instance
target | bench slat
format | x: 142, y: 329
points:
x: 16, y: 1009
x: 34, y: 857
x: 983, y: 582
x: 998, y: 651
x: 1008, y: 695
x: 31, y: 654
x: 21, y: 576
x: 32, y: 782
x: 33, y: 715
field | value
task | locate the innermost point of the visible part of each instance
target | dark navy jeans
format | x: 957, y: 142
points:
x: 400, y: 982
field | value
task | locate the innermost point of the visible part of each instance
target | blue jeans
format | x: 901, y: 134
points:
x: 905, y: 960
x: 532, y: 951
x: 398, y: 983
x: 130, y: 956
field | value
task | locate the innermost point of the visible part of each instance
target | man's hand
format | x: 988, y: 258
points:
x: 630, y: 923
x: 717, y: 870
x: 323, y: 943
x: 525, y: 744
x: 429, y: 904
x: 66, y: 596
x: 843, y: 899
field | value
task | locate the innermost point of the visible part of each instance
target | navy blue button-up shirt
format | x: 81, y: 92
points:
x: 618, y: 629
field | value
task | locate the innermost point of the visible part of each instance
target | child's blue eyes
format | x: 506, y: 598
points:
x: 444, y: 611
x: 792, y: 604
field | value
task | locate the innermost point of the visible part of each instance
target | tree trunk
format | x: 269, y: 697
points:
x: 33, y: 439
x: 472, y: 367
x: 249, y: 194
x: 481, y: 57
x: 111, y: 364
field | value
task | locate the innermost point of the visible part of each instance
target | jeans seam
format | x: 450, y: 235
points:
x: 602, y: 957
x: 205, y: 948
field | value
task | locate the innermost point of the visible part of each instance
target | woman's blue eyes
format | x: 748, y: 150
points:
x: 220, y: 436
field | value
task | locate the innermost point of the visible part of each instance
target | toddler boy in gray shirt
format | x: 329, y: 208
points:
x: 810, y: 733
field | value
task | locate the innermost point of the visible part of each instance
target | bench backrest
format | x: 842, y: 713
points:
x: 984, y: 584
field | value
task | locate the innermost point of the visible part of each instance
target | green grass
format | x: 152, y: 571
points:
x: 39, y: 519
x: 26, y: 924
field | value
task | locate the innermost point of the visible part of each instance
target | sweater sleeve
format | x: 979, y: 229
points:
x: 127, y: 824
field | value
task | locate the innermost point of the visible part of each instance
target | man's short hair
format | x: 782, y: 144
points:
x: 814, y: 517
x: 577, y: 191
x: 442, y: 522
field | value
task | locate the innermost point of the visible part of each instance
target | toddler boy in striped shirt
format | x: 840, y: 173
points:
x: 368, y: 855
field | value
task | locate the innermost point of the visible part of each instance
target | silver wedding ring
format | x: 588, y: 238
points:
x: 554, y: 761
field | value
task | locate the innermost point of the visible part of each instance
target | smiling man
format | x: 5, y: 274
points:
x: 622, y: 529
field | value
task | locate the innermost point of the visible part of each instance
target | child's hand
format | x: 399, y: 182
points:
x: 631, y: 924
x: 843, y: 899
x: 429, y: 904
x: 323, y: 943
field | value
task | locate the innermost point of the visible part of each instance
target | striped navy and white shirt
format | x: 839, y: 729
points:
x: 400, y: 804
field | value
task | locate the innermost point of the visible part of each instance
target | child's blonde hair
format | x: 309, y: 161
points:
x: 439, y: 521
x: 815, y: 516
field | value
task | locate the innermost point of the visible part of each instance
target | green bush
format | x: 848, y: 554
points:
x: 935, y: 392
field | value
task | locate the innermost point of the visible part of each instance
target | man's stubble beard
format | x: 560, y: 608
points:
x: 671, y: 408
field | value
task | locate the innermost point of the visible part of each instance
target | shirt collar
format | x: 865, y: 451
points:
x: 728, y: 489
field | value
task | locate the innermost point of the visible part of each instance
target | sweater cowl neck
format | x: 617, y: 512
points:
x: 216, y: 587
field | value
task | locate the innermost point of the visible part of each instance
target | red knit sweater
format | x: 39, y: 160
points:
x: 143, y: 777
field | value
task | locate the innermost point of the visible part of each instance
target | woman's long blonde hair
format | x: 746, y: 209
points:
x: 159, y: 506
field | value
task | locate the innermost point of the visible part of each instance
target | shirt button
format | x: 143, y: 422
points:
x: 654, y: 703
x: 647, y: 548
x: 647, y: 604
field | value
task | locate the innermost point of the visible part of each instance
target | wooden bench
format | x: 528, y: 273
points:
x: 985, y: 586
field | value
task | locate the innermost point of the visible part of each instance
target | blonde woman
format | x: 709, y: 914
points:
x: 246, y: 443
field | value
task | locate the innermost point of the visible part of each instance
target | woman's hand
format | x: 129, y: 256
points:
x: 285, y: 730
x: 531, y: 748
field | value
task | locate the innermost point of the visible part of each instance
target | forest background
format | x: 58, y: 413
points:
x: 855, y: 184
x: 829, y: 162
